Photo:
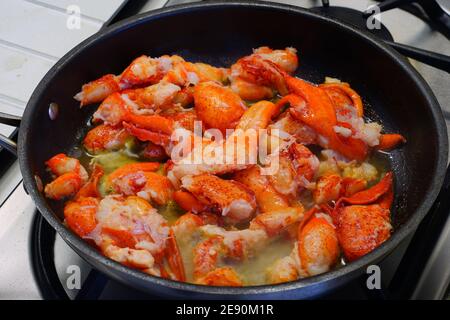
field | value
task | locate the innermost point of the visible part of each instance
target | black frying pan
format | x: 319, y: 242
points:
x: 218, y: 33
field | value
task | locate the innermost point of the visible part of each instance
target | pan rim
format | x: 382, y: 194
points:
x: 82, y: 247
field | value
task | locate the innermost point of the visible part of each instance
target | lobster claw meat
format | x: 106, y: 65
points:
x: 224, y: 276
x: 363, y: 220
x: 312, y: 106
x: 342, y: 96
x: 389, y: 141
x: 362, y: 228
x: 370, y: 195
x: 173, y: 256
x: 318, y: 246
x: 188, y: 202
x: 90, y: 189
x: 141, y: 134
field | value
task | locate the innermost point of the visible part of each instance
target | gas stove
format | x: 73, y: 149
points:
x: 38, y: 264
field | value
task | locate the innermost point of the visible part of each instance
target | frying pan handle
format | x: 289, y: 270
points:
x: 437, y: 60
x: 6, y: 142
x: 10, y: 120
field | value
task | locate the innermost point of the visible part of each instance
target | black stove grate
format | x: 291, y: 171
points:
x: 429, y: 11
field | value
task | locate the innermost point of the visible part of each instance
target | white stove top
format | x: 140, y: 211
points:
x: 33, y: 35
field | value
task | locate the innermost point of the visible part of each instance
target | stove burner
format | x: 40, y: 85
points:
x: 433, y: 12
x: 359, y: 20
x: 42, y: 260
x: 354, y: 18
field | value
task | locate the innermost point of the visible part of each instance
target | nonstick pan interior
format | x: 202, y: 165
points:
x: 218, y: 34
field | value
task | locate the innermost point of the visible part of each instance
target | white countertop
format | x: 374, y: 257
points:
x: 33, y: 36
